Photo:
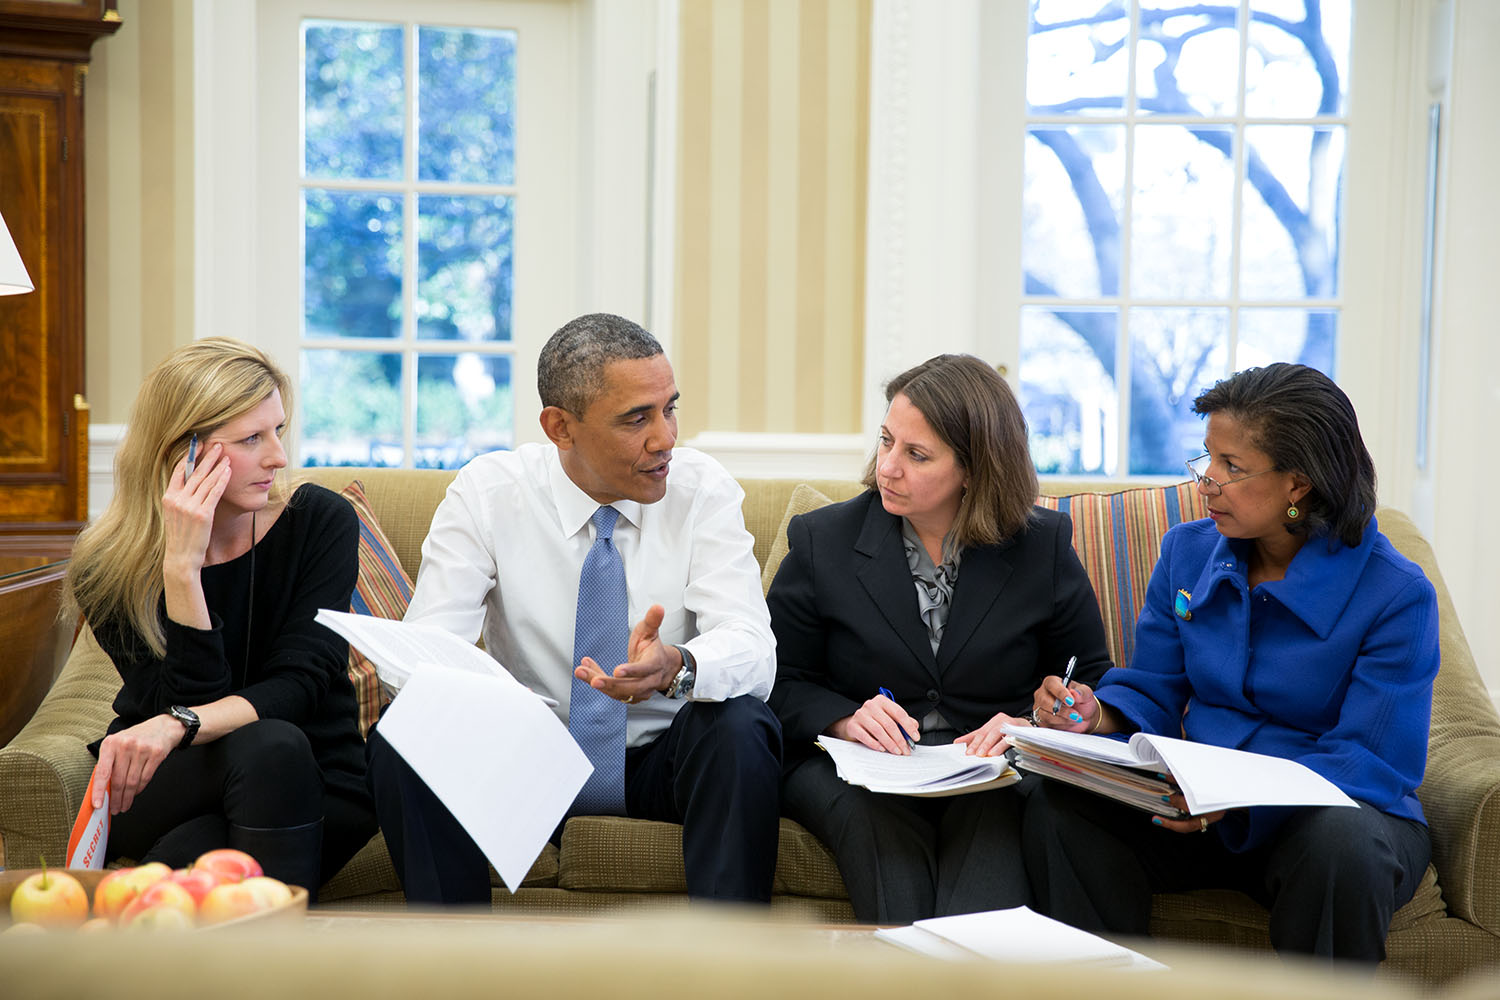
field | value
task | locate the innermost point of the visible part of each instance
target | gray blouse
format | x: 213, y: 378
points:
x: 934, y: 585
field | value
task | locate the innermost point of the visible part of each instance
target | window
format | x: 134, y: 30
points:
x: 1183, y: 190
x: 414, y: 230
x: 407, y: 188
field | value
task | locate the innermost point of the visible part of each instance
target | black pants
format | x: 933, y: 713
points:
x: 1331, y: 876
x: 263, y: 775
x: 905, y: 858
x: 716, y: 770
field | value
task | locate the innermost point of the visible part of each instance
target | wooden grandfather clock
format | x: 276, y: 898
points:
x: 44, y: 56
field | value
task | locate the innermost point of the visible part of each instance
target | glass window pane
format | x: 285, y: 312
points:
x: 351, y: 264
x: 353, y: 100
x: 463, y: 408
x: 351, y: 408
x: 1289, y: 233
x: 1068, y: 390
x: 1077, y: 56
x: 1306, y: 336
x: 1188, y: 61
x: 1297, y: 65
x: 1175, y: 354
x: 1075, y: 179
x: 1181, y: 227
x: 466, y: 105
x: 464, y: 268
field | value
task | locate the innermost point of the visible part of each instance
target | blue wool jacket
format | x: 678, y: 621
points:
x: 1332, y: 666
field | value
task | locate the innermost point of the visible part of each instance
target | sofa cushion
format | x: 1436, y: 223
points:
x: 804, y: 498
x: 1118, y: 537
x: 383, y: 590
x: 616, y: 854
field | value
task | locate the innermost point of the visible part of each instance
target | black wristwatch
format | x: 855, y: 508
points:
x: 682, y: 684
x: 188, y: 718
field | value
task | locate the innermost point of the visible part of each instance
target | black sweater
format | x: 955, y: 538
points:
x: 264, y: 645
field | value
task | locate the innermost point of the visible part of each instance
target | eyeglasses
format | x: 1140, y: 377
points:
x: 1199, y: 467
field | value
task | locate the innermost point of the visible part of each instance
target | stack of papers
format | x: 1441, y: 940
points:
x: 1014, y: 935
x: 926, y: 771
x: 1139, y: 772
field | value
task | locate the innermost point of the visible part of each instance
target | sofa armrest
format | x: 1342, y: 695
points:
x: 45, y: 770
x: 1461, y: 796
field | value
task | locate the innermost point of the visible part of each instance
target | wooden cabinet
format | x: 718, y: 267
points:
x: 44, y: 54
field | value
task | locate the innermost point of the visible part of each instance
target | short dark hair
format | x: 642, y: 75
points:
x: 1301, y: 419
x: 971, y: 408
x: 570, y: 369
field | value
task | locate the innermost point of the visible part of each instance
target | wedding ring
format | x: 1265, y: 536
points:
x: 1202, y: 824
x: 630, y: 700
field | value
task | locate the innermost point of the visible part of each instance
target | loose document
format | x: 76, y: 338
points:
x: 1138, y: 772
x: 928, y: 771
x: 490, y: 748
x: 1015, y: 935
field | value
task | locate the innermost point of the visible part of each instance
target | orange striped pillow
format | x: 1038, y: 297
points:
x: 1118, y: 537
x: 382, y: 590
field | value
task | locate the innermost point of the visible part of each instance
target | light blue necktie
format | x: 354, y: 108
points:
x: 596, y: 720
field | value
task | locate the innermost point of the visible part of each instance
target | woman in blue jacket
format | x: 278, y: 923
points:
x: 1285, y: 623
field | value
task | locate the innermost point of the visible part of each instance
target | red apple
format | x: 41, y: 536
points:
x: 117, y: 889
x: 164, y: 894
x: 268, y: 892
x: 228, y: 901
x: 197, y: 881
x: 235, y: 866
x: 52, y: 899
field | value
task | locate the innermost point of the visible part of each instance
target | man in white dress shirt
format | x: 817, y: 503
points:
x: 504, y: 558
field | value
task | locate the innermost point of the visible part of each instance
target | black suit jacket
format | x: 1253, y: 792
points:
x: 844, y: 610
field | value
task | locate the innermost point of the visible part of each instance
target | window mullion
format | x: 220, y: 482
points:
x: 409, y: 255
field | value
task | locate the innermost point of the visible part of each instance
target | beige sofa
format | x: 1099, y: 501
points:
x: 1450, y: 927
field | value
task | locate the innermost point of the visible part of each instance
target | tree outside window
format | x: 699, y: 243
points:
x: 1184, y: 166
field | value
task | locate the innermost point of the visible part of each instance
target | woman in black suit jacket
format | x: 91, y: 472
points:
x: 945, y: 585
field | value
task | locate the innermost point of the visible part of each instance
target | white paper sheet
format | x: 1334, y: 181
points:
x: 400, y: 648
x: 925, y: 771
x: 1022, y: 935
x: 495, y: 754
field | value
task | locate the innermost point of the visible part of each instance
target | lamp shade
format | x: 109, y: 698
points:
x: 13, y: 276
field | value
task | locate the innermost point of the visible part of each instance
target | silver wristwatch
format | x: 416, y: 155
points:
x: 682, y: 684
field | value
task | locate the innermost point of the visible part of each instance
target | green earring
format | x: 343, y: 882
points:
x: 1293, y: 513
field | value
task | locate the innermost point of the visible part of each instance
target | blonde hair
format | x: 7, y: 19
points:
x: 115, y: 573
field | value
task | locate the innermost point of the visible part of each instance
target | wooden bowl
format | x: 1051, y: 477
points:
x: 293, y: 909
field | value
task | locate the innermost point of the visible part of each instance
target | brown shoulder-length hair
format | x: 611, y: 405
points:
x: 971, y: 408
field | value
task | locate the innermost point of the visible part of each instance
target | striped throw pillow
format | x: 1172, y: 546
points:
x: 1118, y: 537
x: 382, y: 590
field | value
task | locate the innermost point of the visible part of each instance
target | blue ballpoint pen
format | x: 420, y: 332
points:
x: 1067, y: 679
x: 909, y: 743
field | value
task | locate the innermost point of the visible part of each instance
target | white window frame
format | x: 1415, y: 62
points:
x: 585, y: 158
x: 945, y: 205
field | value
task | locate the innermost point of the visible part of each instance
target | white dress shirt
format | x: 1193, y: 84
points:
x: 506, y: 549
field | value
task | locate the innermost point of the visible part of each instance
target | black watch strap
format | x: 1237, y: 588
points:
x: 189, y: 719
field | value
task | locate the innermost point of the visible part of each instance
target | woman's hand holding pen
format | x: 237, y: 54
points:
x: 878, y: 724
x: 1077, y: 710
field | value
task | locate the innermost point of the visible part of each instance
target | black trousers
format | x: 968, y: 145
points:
x: 1331, y: 876
x: 263, y: 775
x: 715, y: 770
x: 905, y: 858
